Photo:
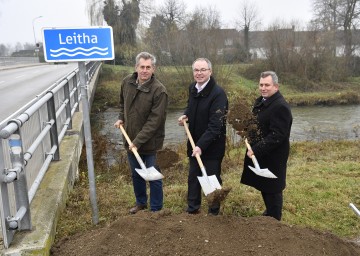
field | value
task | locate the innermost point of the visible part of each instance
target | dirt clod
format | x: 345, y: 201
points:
x: 241, y: 118
x: 217, y: 196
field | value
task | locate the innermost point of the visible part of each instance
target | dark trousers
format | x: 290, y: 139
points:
x: 212, y: 167
x: 274, y: 204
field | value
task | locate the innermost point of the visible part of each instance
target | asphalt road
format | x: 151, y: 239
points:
x: 20, y: 85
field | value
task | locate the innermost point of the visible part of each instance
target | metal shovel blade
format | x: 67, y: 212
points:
x: 149, y: 174
x: 209, y: 184
x: 263, y: 172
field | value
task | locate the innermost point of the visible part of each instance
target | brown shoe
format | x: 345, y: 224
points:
x: 137, y: 208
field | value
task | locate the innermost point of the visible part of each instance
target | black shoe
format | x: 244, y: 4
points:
x: 137, y: 208
x: 213, y: 211
x: 193, y: 212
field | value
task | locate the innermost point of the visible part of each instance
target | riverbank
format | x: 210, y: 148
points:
x: 236, y: 86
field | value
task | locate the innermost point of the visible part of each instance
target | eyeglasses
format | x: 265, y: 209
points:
x: 201, y: 70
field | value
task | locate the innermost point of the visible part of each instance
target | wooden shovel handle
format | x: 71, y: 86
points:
x: 192, y: 143
x: 252, y: 156
x: 247, y: 144
x: 125, y: 134
x: 129, y: 142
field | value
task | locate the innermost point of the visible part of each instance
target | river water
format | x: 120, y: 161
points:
x: 314, y: 123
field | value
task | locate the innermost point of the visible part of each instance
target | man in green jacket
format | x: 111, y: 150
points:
x: 143, y: 103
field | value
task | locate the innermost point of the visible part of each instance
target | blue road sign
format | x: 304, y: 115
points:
x: 78, y: 44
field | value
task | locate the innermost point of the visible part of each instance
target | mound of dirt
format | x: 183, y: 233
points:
x: 164, y: 233
x: 166, y: 158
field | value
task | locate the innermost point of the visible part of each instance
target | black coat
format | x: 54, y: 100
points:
x: 270, y: 143
x: 206, y: 112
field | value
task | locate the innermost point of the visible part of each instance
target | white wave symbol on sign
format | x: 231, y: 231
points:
x: 79, y: 51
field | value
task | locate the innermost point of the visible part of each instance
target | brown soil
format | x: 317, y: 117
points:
x: 166, y: 158
x: 163, y: 233
x: 217, y: 196
x: 241, y: 118
x: 167, y: 233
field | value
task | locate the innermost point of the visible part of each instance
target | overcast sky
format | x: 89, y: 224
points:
x: 18, y: 18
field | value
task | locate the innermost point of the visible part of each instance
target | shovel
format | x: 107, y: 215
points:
x: 148, y: 174
x: 257, y: 170
x: 356, y: 210
x: 208, y: 183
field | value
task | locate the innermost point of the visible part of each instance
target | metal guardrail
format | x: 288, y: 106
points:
x: 8, y: 61
x: 29, y: 142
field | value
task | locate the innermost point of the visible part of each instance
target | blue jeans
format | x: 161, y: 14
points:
x: 139, y: 184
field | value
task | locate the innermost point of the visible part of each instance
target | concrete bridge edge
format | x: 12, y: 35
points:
x: 50, y: 199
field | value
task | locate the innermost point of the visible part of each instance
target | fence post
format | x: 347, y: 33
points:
x: 68, y: 105
x: 76, y: 92
x: 5, y: 202
x: 22, y: 219
x: 53, y: 130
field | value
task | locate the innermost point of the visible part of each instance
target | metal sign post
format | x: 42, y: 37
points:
x: 88, y: 141
x: 81, y: 44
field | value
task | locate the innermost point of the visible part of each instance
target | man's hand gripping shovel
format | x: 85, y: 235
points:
x: 208, y: 183
x: 257, y: 170
x: 148, y: 174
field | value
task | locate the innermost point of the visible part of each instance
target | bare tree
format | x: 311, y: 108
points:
x: 202, y: 33
x: 349, y: 15
x: 338, y: 16
x: 174, y: 13
x: 248, y: 20
x: 4, y: 50
x: 95, y: 11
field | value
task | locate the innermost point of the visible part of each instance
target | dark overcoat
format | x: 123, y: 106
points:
x: 206, y: 112
x: 270, y: 143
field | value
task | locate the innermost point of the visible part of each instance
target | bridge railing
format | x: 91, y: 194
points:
x: 8, y: 61
x: 29, y: 142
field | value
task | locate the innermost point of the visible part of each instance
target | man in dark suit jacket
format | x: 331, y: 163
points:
x: 206, y: 114
x: 270, y: 144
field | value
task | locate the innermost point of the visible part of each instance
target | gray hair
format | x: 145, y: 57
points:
x: 145, y: 56
x: 203, y: 59
x: 273, y: 75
